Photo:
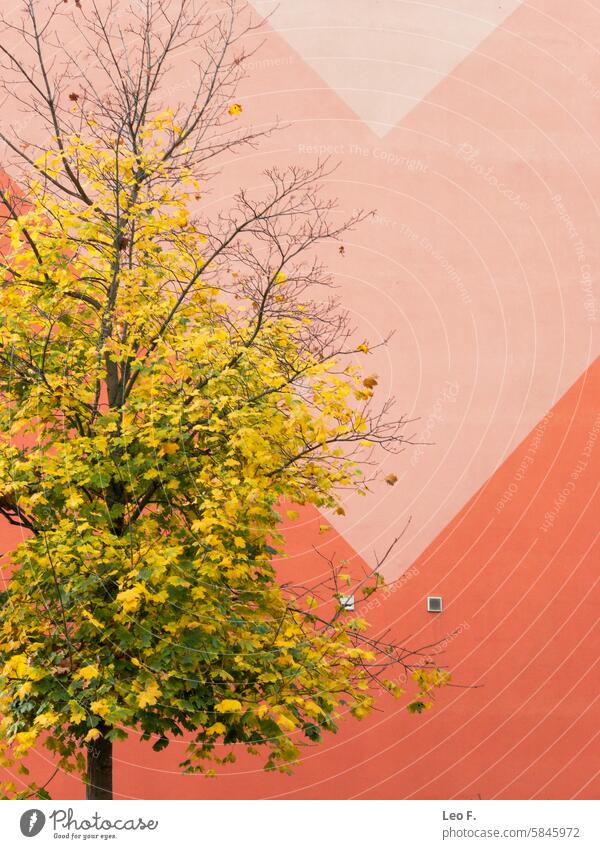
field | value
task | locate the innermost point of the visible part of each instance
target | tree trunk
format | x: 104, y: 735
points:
x: 99, y: 766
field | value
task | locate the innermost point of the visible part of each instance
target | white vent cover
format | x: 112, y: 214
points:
x: 434, y: 604
x: 347, y: 602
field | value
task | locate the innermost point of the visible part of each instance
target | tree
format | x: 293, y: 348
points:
x: 167, y: 384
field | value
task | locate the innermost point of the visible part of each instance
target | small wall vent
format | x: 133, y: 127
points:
x: 434, y: 604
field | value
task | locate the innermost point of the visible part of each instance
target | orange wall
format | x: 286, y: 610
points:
x: 521, y: 593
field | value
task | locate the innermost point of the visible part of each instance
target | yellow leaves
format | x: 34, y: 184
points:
x: 312, y: 708
x: 391, y: 479
x: 159, y: 597
x: 363, y: 348
x: 77, y: 714
x: 393, y: 688
x: 324, y: 528
x: 101, y: 707
x: 229, y: 706
x: 430, y: 677
x: 88, y: 672
x: 235, y: 109
x: 24, y: 740
x: 358, y: 625
x: 24, y: 689
x: 362, y: 708
x: 355, y: 653
x: 130, y: 599
x: 87, y: 615
x: 93, y: 734
x: 149, y: 695
x: 168, y: 448
x: 16, y: 667
x: 74, y: 501
x: 45, y: 720
x: 285, y: 722
x: 216, y: 728
x: 371, y: 381
x: 292, y: 514
x: 239, y: 542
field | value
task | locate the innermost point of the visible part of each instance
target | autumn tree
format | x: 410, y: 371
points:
x: 167, y: 382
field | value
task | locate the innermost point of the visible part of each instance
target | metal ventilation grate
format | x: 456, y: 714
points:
x: 434, y: 604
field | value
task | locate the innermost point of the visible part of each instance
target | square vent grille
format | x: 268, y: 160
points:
x: 434, y: 604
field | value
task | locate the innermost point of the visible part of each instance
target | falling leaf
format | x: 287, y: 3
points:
x: 74, y: 97
x: 235, y: 109
x: 342, y: 250
x: 370, y: 381
x: 391, y: 479
x: 324, y: 528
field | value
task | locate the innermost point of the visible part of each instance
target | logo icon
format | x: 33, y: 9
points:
x: 32, y: 822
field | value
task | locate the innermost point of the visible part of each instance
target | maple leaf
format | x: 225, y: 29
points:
x: 149, y: 696
x: 229, y: 706
x: 93, y: 734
